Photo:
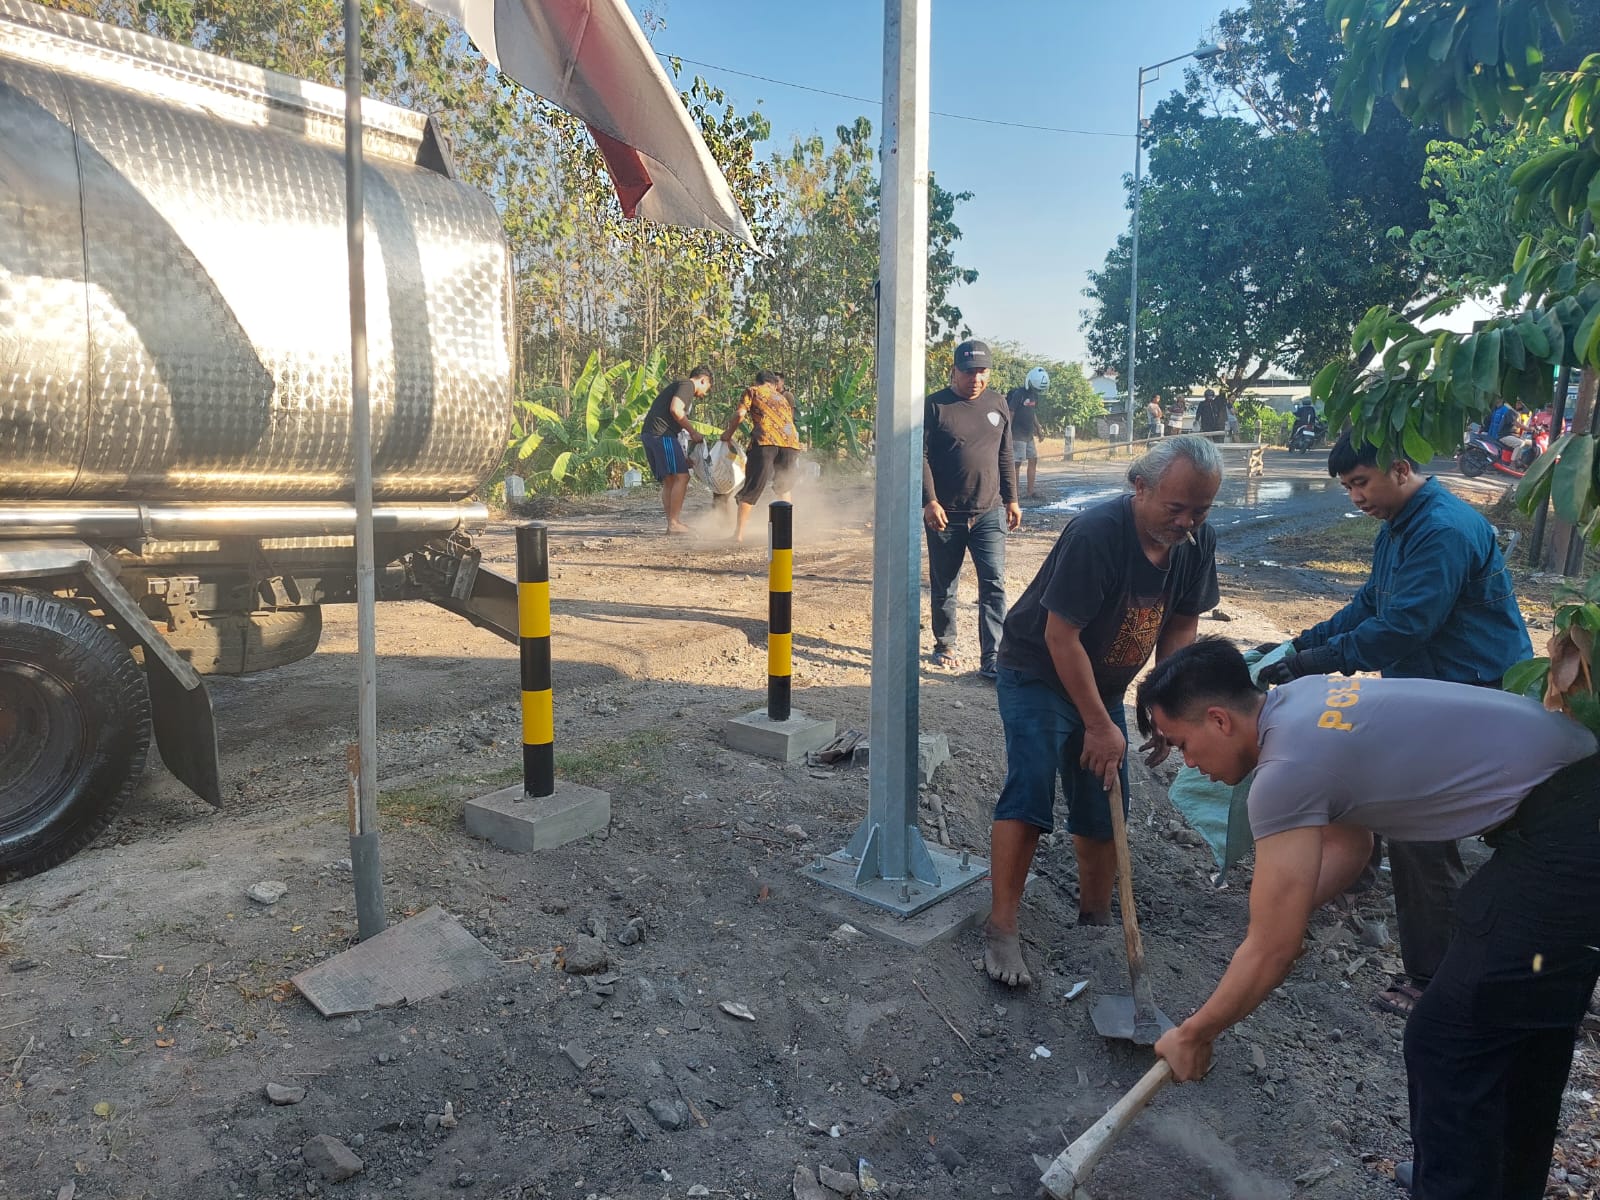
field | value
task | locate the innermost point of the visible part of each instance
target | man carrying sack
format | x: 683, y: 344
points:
x: 1489, y: 1045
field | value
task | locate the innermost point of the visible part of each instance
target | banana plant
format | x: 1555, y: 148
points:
x: 589, y: 448
x: 838, y: 425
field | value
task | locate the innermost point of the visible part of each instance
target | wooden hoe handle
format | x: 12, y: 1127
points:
x: 1064, y: 1179
x: 1130, y: 917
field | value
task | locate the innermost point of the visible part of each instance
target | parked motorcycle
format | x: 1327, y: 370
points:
x: 1480, y: 453
x: 1307, y: 438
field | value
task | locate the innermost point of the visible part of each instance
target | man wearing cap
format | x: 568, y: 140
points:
x: 969, y: 501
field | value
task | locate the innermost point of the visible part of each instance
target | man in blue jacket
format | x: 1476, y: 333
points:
x: 1438, y: 605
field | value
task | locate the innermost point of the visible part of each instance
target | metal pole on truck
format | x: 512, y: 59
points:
x: 366, y: 866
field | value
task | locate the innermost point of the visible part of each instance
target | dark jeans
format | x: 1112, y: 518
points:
x: 984, y: 536
x: 1427, y: 880
x: 1489, y: 1045
x: 1044, y: 740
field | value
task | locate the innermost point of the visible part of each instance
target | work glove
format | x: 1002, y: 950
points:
x: 1265, y: 648
x: 1319, y: 660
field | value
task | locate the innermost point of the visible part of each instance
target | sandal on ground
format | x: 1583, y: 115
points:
x: 1398, y: 998
x: 945, y: 660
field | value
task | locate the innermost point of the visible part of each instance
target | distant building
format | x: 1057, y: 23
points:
x: 1105, y: 386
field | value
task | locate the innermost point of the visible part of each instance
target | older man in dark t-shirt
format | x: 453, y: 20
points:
x: 1128, y: 577
x: 1489, y: 1044
x: 967, y: 476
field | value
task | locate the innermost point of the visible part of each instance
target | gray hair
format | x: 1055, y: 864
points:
x: 1151, y: 466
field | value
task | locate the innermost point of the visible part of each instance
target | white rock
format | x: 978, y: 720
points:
x: 268, y: 891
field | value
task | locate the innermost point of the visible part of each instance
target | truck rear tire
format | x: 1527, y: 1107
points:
x: 74, y: 730
x: 237, y: 643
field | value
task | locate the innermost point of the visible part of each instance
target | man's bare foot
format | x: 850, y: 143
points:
x: 1002, y: 958
x: 677, y: 527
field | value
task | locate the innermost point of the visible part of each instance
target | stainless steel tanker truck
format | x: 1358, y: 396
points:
x: 176, y: 468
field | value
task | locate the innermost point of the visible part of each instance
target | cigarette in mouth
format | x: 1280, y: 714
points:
x: 1189, y: 533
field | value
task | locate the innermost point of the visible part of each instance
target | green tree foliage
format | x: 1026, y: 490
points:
x: 1423, y: 388
x: 1464, y: 61
x: 810, y: 309
x: 1266, y: 217
x: 1240, y: 246
x: 1474, y: 226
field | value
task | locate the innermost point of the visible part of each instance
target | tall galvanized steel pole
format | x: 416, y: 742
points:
x: 883, y: 844
x: 365, y: 862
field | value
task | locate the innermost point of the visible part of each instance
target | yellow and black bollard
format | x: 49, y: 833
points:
x: 533, y: 629
x: 780, y: 592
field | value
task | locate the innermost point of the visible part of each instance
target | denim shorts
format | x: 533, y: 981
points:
x: 1044, y: 737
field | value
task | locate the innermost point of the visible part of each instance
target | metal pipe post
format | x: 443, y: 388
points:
x: 780, y: 608
x: 1133, y: 258
x: 365, y: 863
x: 533, y: 630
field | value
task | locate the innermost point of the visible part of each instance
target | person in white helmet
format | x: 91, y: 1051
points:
x: 1024, y: 405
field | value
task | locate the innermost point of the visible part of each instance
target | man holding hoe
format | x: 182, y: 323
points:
x: 1489, y: 1044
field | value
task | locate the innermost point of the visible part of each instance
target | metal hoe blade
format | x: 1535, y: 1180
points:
x: 1118, y: 1017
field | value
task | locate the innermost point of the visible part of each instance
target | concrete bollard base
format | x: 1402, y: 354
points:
x: 512, y: 821
x: 786, y: 741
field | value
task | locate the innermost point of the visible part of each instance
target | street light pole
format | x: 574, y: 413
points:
x: 1202, y: 53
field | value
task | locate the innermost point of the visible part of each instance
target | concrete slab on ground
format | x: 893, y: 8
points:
x: 512, y: 821
x: 786, y: 741
x: 419, y: 958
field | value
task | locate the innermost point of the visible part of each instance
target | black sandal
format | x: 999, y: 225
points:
x: 1398, y: 998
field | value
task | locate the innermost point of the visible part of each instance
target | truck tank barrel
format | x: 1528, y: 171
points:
x: 173, y: 293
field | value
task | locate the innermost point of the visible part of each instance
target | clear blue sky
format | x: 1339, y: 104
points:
x: 1046, y: 206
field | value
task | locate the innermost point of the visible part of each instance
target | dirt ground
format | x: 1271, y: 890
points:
x: 146, y: 1003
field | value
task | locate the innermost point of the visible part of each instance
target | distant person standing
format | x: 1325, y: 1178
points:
x: 1024, y: 405
x: 1152, y: 411
x: 1230, y: 421
x: 969, y: 501
x: 667, y: 418
x: 774, y: 443
x: 1176, y: 408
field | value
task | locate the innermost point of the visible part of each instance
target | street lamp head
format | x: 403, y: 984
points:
x: 1207, y: 51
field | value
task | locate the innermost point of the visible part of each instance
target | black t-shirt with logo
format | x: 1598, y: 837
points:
x: 1098, y: 578
x: 659, y: 421
x: 966, y: 453
x: 1024, y: 406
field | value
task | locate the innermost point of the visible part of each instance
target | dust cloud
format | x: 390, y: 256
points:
x: 1220, y: 1160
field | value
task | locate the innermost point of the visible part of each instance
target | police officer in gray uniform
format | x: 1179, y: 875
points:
x: 1489, y: 1045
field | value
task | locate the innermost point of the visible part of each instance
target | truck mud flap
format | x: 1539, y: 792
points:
x: 180, y: 706
x: 185, y: 732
